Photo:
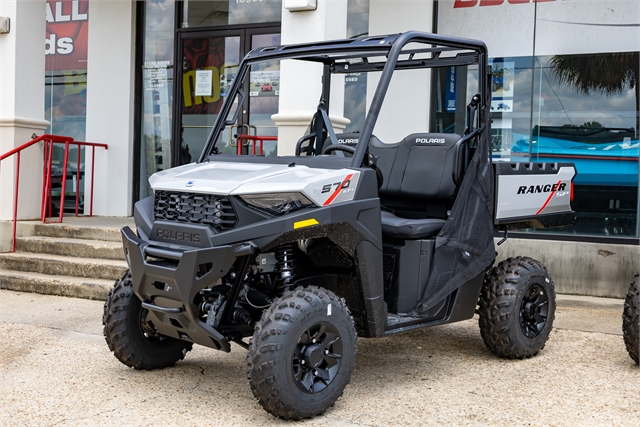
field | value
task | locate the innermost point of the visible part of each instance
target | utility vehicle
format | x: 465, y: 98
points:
x: 631, y: 320
x: 348, y: 235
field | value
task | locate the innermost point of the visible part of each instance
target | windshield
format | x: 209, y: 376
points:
x: 306, y: 106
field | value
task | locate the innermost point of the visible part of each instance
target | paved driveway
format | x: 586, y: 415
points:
x: 55, y: 369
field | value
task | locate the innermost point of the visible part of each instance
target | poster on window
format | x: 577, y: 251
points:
x: 502, y: 79
x: 265, y: 83
x: 206, y: 75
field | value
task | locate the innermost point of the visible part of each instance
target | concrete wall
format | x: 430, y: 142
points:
x: 300, y: 92
x: 21, y: 109
x: 110, y: 104
x: 406, y: 105
x: 579, y: 268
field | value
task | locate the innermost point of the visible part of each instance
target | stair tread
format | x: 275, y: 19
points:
x: 64, y: 258
x: 71, y: 241
x: 51, y: 277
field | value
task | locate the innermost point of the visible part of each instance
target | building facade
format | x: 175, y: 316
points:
x: 148, y: 78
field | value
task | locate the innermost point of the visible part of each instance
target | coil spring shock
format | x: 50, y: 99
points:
x: 286, y: 256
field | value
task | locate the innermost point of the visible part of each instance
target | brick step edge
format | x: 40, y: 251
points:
x: 96, y: 289
x: 57, y: 265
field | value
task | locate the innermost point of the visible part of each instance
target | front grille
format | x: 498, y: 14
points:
x: 208, y: 209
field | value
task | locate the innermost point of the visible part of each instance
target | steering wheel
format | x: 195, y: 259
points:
x: 338, y: 147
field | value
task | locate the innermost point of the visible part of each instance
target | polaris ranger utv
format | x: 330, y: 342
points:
x: 347, y: 236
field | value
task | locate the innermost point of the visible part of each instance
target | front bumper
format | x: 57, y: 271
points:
x: 168, y: 288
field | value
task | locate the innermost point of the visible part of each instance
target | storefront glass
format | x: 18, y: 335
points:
x: 157, y: 90
x: 198, y: 13
x: 355, y: 96
x: 66, y: 89
x: 577, y: 102
x: 585, y: 112
x: 209, y: 66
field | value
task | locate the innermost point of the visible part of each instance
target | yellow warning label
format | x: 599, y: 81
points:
x: 305, y: 223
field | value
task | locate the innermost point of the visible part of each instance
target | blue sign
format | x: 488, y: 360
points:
x: 450, y: 98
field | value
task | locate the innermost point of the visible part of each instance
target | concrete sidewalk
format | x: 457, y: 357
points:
x: 55, y: 369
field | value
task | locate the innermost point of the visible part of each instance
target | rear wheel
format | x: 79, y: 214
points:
x: 631, y: 320
x: 130, y: 337
x: 517, y: 308
x: 302, y: 353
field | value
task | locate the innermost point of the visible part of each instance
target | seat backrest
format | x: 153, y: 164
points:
x: 421, y: 166
x: 350, y: 139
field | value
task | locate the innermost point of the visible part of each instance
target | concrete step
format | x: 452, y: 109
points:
x: 71, y: 247
x: 75, y: 231
x: 97, y: 289
x: 63, y: 265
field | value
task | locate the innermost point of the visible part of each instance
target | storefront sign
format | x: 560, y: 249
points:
x: 67, y: 33
x: 472, y: 3
x: 155, y: 74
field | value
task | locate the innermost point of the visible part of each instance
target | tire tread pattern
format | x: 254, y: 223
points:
x: 499, y: 304
x: 630, y: 320
x: 123, y: 335
x: 265, y: 350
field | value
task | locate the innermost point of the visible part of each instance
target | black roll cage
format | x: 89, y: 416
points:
x: 361, y: 49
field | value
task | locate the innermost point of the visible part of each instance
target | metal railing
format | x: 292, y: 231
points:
x: 47, y: 180
x: 254, y: 139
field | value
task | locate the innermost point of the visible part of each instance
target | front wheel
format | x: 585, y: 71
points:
x: 131, y: 338
x: 517, y: 308
x: 302, y: 353
x: 631, y: 320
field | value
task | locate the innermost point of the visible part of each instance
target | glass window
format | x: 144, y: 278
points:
x: 581, y: 109
x: 230, y: 12
x: 585, y: 111
x: 67, y: 26
x: 565, y: 90
x: 214, y: 62
x: 157, y: 90
x: 355, y: 84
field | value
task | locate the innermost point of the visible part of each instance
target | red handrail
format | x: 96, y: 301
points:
x: 46, y: 200
x: 254, y: 139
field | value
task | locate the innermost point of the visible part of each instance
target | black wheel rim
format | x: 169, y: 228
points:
x: 317, y: 357
x: 150, y: 333
x: 534, y: 311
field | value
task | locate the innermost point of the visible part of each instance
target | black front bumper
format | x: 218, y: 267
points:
x: 167, y: 288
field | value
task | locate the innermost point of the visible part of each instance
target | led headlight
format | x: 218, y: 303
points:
x: 278, y: 203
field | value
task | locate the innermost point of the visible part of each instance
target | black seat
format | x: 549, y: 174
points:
x: 418, y: 183
x: 406, y: 228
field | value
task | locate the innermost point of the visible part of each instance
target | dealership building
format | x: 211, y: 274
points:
x: 148, y: 79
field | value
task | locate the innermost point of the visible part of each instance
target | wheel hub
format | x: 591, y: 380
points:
x: 317, y: 356
x: 313, y: 355
x: 533, y: 311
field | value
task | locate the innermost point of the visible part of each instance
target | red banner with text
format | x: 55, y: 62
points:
x: 67, y: 34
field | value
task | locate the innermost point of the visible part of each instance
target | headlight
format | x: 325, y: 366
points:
x: 279, y: 203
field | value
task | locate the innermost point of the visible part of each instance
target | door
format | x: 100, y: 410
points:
x: 209, y: 63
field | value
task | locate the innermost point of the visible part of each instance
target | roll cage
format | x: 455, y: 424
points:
x: 378, y: 53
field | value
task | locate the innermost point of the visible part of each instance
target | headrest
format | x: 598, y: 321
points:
x: 350, y: 139
x: 431, y: 140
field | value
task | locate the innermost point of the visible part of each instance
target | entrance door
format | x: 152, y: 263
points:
x: 208, y: 65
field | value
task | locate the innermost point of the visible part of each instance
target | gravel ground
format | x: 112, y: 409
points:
x: 55, y: 369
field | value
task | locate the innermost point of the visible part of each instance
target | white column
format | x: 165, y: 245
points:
x: 110, y: 105
x: 21, y: 108
x: 300, y: 82
x: 407, y: 100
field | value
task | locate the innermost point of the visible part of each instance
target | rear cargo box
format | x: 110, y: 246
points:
x: 533, y: 195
